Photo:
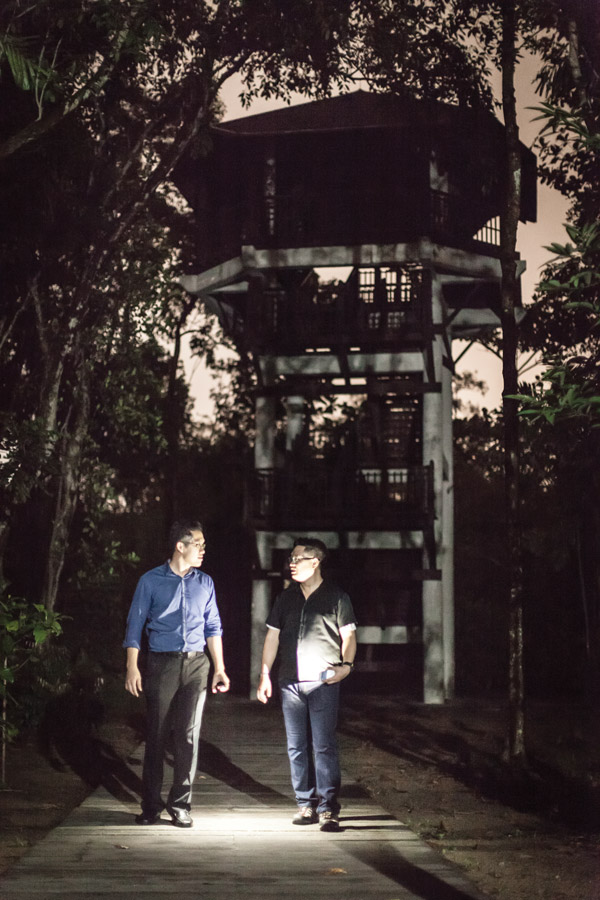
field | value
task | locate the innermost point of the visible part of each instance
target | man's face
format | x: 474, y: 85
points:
x: 193, y: 551
x: 302, y: 563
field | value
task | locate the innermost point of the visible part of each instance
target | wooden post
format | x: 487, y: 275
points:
x: 433, y: 621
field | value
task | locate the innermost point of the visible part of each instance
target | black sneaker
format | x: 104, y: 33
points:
x: 328, y: 821
x: 306, y: 815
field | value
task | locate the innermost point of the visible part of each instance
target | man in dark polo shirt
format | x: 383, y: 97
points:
x: 176, y: 604
x: 312, y: 626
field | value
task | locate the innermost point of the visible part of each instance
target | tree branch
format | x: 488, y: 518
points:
x: 41, y: 126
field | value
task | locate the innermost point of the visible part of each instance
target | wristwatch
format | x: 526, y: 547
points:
x: 347, y: 663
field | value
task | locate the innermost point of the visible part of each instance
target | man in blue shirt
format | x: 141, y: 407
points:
x: 176, y: 604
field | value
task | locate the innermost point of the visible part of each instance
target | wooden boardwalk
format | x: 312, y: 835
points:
x: 242, y: 846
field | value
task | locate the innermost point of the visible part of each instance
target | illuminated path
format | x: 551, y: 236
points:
x: 242, y: 846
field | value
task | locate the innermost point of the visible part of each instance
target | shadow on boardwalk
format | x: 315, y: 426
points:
x: 243, y: 844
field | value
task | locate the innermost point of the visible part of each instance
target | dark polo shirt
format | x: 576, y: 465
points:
x: 309, y: 630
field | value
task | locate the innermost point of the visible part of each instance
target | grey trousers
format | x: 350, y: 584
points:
x: 175, y: 691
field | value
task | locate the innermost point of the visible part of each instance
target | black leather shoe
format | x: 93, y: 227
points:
x: 180, y: 817
x: 147, y: 819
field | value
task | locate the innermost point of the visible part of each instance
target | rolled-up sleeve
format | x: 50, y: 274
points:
x: 212, y: 619
x: 138, y: 613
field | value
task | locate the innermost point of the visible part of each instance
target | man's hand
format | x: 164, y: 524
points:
x: 341, y: 672
x: 265, y: 689
x: 133, y: 681
x: 220, y: 682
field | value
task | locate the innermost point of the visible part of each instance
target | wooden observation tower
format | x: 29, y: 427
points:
x: 344, y: 244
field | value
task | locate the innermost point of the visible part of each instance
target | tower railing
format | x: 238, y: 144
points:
x: 319, y: 495
x: 313, y: 217
x: 345, y: 314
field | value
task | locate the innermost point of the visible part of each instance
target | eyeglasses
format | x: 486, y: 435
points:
x: 296, y: 559
x: 199, y: 544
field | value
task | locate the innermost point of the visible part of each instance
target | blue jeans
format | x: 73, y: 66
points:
x: 310, y: 711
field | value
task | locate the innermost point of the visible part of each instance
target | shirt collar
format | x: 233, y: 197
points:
x: 297, y: 586
x: 167, y: 570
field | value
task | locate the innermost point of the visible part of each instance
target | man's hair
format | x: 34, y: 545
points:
x: 314, y: 546
x: 182, y: 531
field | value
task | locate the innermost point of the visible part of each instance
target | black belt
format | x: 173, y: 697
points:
x: 180, y: 654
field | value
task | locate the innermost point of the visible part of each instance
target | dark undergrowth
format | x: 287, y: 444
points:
x: 559, y: 780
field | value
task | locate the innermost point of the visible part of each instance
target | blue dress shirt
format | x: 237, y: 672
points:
x: 179, y: 613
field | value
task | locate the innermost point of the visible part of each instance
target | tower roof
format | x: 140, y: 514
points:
x: 359, y: 109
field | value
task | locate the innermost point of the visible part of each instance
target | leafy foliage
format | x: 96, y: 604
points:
x: 570, y: 386
x: 436, y: 51
x: 23, y: 629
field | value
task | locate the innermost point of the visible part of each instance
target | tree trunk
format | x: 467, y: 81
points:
x: 66, y: 495
x: 4, y: 727
x: 515, y: 749
x: 18, y: 492
x: 583, y: 29
x: 173, y: 420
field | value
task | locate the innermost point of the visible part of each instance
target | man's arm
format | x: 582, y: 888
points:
x: 348, y: 650
x: 348, y: 643
x: 270, y: 647
x: 136, y: 619
x: 133, y: 678
x: 220, y: 681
